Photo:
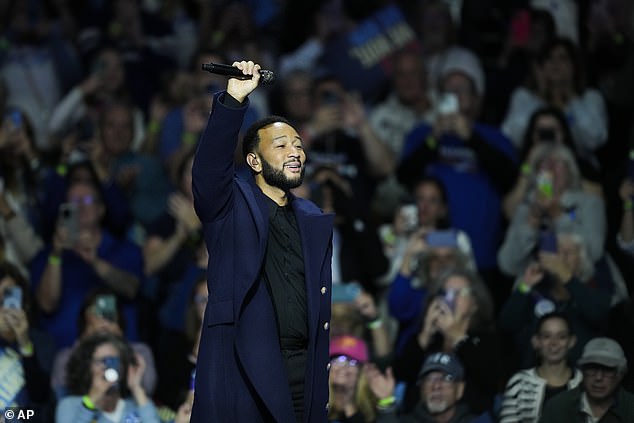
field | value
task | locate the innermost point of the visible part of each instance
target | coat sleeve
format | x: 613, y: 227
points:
x: 213, y: 168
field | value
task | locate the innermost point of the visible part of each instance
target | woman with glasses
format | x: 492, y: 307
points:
x: 457, y: 319
x: 82, y: 256
x: 104, y: 379
x: 351, y: 400
x: 529, y: 389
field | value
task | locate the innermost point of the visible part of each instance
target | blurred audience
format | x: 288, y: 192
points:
x: 101, y: 313
x: 558, y: 80
x: 25, y: 352
x: 83, y: 255
x: 457, y: 318
x: 529, y: 389
x: 104, y: 380
x: 351, y: 399
x: 554, y: 202
x: 599, y: 397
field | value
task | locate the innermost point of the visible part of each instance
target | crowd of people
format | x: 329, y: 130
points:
x: 478, y: 156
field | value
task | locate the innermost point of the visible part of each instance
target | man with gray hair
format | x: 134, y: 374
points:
x: 441, y: 381
x: 599, y: 398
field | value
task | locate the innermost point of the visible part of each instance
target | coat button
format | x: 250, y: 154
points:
x: 323, y: 290
x: 328, y: 366
x: 326, y: 326
x: 327, y: 406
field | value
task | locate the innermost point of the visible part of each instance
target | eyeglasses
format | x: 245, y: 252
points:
x: 455, y: 292
x: 593, y: 370
x: 444, y: 379
x: 343, y: 361
x: 85, y: 200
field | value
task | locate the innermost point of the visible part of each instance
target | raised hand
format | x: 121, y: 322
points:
x: 381, y: 384
x: 241, y: 88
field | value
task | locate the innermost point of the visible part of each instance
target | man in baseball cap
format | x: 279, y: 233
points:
x: 599, y: 398
x: 441, y: 381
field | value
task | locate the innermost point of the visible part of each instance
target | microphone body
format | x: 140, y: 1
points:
x: 267, y: 77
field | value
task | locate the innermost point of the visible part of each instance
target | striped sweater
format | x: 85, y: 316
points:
x: 524, y: 396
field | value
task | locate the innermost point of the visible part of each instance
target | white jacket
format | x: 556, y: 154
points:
x: 524, y: 396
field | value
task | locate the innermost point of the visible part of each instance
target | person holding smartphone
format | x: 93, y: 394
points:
x: 457, y: 318
x: 24, y: 351
x: 82, y: 256
x: 474, y: 161
x: 556, y: 202
x: 104, y: 379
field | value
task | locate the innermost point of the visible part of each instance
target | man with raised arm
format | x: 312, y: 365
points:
x: 263, y: 353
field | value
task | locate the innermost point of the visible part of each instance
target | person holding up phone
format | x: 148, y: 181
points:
x: 474, y: 161
x: 24, y: 351
x: 104, y: 379
x: 557, y: 202
x: 457, y: 318
x: 563, y: 279
x: 547, y: 126
x: 82, y: 256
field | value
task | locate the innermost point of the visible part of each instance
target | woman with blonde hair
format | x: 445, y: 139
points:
x: 351, y: 400
x: 554, y: 202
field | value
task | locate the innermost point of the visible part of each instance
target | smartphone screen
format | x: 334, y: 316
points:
x: 345, y: 292
x: 12, y: 297
x: 442, y: 239
x: 68, y: 219
x: 106, y: 307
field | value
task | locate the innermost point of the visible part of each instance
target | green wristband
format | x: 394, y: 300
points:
x: 628, y: 205
x: 386, y: 402
x: 523, y: 288
x: 526, y: 169
x: 87, y: 402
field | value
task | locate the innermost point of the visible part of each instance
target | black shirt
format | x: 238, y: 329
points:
x: 285, y: 279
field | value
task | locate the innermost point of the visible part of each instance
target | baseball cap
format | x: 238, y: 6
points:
x: 604, y: 351
x: 350, y: 346
x: 442, y: 362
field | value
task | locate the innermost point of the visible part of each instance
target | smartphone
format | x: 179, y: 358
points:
x: 448, y: 296
x: 12, y: 297
x: 546, y: 135
x: 106, y: 307
x: 409, y: 212
x: 548, y: 241
x: 345, y: 292
x: 442, y: 239
x: 448, y: 104
x: 545, y: 183
x: 69, y: 220
x: 112, y: 366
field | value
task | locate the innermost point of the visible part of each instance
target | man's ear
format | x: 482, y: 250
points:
x: 254, y: 162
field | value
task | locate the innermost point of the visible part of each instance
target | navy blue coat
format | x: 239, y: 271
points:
x: 241, y: 376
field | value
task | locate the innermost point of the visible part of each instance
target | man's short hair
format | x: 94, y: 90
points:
x: 251, y: 138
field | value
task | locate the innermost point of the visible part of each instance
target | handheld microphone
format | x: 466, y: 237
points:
x: 267, y: 77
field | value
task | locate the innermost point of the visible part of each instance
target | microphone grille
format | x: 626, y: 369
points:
x: 267, y: 77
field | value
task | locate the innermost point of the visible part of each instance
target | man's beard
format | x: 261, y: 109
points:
x: 277, y: 178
